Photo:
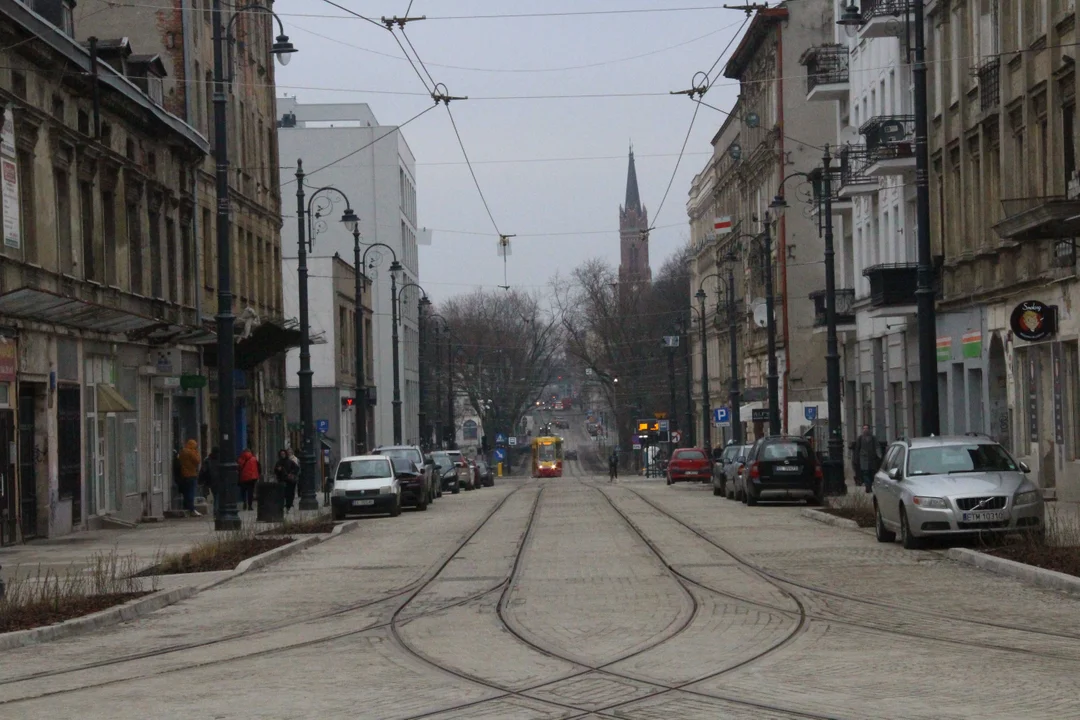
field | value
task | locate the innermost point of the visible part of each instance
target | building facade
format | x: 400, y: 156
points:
x: 332, y: 297
x: 769, y: 141
x: 380, y: 181
x: 181, y: 36
x: 99, y: 317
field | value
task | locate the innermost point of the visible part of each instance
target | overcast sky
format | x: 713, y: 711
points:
x: 554, y: 167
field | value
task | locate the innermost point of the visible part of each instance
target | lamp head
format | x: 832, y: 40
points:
x: 700, y: 295
x: 350, y: 220
x: 282, y: 49
x: 850, y: 19
x: 424, y: 302
x: 778, y: 203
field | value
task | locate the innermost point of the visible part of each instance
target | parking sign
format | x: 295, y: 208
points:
x: 721, y: 416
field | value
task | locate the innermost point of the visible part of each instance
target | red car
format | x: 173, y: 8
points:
x: 690, y: 464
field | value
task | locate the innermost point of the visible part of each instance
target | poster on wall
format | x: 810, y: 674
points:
x: 9, y: 190
x: 8, y: 360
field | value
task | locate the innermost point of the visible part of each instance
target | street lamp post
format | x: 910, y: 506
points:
x: 362, y: 396
x: 685, y: 334
x: 672, y: 410
x: 421, y: 304
x: 396, y: 402
x: 314, y: 211
x: 705, y: 434
x: 226, y: 516
x: 440, y: 427
x: 770, y: 323
x: 734, y: 396
x: 360, y: 431
x: 924, y: 288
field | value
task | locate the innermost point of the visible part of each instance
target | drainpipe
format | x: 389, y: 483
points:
x: 781, y: 249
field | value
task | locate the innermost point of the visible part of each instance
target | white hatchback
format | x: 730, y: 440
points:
x: 365, y: 484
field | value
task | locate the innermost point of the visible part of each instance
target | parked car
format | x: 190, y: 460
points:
x: 487, y: 475
x: 725, y: 467
x: 414, y: 485
x: 464, y: 472
x: 688, y: 464
x: 415, y: 455
x: 781, y: 468
x: 570, y: 455
x: 365, y: 484
x: 446, y: 471
x: 950, y: 486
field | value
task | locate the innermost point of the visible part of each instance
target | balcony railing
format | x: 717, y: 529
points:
x: 825, y: 65
x: 889, y: 137
x: 893, y: 284
x: 854, y: 160
x: 989, y: 75
x: 883, y: 8
x: 845, y: 301
x: 1039, y: 218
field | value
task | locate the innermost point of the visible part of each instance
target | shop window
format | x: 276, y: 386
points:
x: 1070, y: 364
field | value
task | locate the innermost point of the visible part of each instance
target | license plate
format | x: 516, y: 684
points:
x: 985, y: 516
x: 787, y: 468
x: 362, y: 502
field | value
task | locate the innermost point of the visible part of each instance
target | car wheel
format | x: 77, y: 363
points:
x: 422, y: 505
x: 882, y: 534
x: 909, y: 541
x: 818, y: 498
x: 456, y: 490
x: 396, y: 510
x: 718, y: 492
x: 731, y: 493
x: 751, y: 500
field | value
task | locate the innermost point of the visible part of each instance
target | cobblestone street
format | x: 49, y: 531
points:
x: 575, y: 598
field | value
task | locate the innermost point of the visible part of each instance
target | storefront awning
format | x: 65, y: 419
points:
x: 263, y: 342
x: 48, y: 307
x: 109, y: 400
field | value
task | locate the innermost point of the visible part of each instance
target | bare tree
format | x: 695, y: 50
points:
x: 507, y: 345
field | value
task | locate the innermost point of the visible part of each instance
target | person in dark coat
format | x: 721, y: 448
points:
x: 866, y: 457
x: 286, y: 472
x: 210, y: 476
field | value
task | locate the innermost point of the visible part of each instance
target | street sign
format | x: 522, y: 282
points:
x: 676, y: 437
x: 512, y: 440
x: 671, y: 341
x: 760, y: 415
x: 500, y: 438
x: 637, y: 446
x: 721, y: 416
x: 322, y: 426
x: 810, y: 411
x: 499, y: 455
x: 665, y: 425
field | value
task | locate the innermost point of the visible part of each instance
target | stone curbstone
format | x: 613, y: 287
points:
x: 1037, y: 576
x: 145, y: 605
x: 130, y: 610
x: 824, y: 517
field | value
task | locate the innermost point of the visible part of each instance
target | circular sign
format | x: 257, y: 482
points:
x: 676, y: 437
x: 1032, y: 321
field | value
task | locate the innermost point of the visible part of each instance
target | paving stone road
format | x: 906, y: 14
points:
x: 575, y: 598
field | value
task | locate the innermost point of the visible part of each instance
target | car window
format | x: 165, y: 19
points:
x: 785, y: 451
x: 368, y: 468
x: 890, y: 459
x: 730, y: 453
x: 951, y: 459
x: 403, y: 453
x: 402, y: 464
x: 689, y: 455
x: 442, y: 461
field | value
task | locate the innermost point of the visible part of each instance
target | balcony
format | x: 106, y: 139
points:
x: 890, y: 145
x: 1039, y: 218
x: 884, y: 18
x: 826, y: 72
x: 840, y: 205
x: 854, y: 160
x: 989, y: 76
x: 892, y: 288
x: 845, y: 312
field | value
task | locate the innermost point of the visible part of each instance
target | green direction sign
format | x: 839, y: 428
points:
x: 191, y: 382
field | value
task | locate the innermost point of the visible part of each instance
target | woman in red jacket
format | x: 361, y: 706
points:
x: 247, y: 466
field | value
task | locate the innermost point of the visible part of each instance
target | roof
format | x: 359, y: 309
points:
x: 751, y: 41
x: 942, y: 440
x: 633, y: 197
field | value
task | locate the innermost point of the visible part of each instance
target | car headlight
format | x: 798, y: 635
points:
x: 338, y: 492
x: 931, y: 503
x: 1028, y: 497
x: 386, y: 490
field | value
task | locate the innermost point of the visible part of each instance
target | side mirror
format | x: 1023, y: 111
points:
x: 894, y: 473
x: 1024, y: 467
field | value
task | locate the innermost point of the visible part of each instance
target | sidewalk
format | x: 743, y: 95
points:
x: 146, y: 542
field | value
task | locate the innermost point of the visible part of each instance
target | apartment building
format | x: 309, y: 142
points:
x: 769, y: 140
x: 180, y: 36
x: 99, y: 317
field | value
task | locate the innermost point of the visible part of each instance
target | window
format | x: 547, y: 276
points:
x: 209, y: 270
x: 187, y: 263
x: 209, y: 109
x: 18, y: 85
x: 955, y: 55
x: 253, y: 278
x: 936, y: 69
x: 135, y: 248
x: 91, y: 263
x: 955, y: 459
x: 1018, y: 18
x: 343, y: 342
x: 1068, y: 131
x: 156, y: 260
x: 26, y: 205
x: 1070, y: 361
x: 107, y: 256
x: 64, y: 251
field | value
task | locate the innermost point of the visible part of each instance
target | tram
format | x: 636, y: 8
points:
x: 547, y: 456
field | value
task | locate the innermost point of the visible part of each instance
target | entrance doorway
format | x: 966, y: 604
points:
x: 69, y: 450
x: 28, y: 457
x: 8, y: 500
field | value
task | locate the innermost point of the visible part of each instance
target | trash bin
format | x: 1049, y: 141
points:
x: 270, y: 497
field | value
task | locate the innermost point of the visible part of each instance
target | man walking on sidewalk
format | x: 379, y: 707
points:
x: 866, y: 457
x: 189, y: 474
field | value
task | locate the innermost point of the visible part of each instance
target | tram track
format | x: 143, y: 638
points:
x: 410, y: 591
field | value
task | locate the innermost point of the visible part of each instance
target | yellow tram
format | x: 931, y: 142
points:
x: 547, y: 456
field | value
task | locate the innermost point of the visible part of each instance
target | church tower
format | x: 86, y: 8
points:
x: 633, y: 232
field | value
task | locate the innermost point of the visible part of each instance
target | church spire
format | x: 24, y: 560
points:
x: 633, y: 198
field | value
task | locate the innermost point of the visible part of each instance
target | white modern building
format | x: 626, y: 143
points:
x: 380, y: 182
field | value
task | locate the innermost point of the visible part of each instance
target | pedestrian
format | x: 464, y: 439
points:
x: 189, y: 474
x: 613, y: 466
x: 249, y: 472
x: 286, y: 470
x: 210, y: 474
x: 866, y: 457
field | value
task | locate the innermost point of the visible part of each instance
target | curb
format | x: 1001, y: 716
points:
x: 824, y: 517
x: 110, y: 616
x: 1037, y: 576
x: 143, y: 606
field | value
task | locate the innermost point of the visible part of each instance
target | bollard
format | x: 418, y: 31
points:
x: 500, y: 469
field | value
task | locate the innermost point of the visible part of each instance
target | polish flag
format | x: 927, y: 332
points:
x: 722, y: 225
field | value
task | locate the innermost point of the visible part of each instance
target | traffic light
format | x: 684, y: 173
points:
x: 347, y: 402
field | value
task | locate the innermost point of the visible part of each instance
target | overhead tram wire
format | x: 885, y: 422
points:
x: 576, y: 13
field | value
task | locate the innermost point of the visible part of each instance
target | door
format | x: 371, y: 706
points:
x: 27, y: 462
x: 69, y: 450
x: 158, y: 482
x: 885, y: 487
x: 8, y: 498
